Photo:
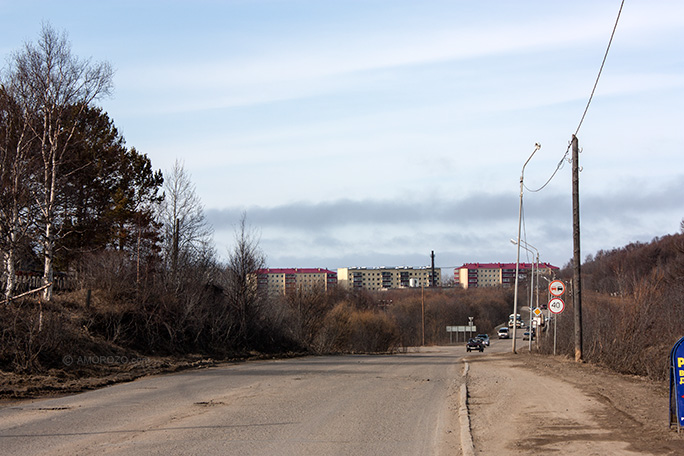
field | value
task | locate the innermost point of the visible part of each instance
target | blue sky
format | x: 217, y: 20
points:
x: 371, y: 132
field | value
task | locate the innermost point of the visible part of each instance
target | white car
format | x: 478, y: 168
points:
x: 503, y: 333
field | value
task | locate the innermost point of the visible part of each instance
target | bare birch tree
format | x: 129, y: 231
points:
x: 49, y: 82
x: 244, y: 260
x: 187, y: 235
x: 15, y: 200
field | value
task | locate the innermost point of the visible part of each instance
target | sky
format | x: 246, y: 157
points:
x: 368, y: 133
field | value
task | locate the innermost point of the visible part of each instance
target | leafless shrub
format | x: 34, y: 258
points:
x: 307, y: 310
x: 32, y: 337
x: 111, y: 272
x: 336, y: 333
x: 372, y: 332
x: 350, y: 330
x: 631, y: 328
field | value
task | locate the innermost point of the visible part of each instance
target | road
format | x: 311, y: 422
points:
x: 347, y: 405
x: 405, y: 404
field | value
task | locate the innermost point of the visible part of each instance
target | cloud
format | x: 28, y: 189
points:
x: 344, y: 212
x: 475, y: 227
x: 620, y: 205
x: 326, y: 57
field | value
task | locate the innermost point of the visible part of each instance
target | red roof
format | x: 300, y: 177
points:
x: 295, y: 271
x: 504, y: 266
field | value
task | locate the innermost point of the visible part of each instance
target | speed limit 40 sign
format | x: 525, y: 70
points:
x: 556, y: 305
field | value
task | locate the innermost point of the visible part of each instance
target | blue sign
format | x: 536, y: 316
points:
x: 677, y: 384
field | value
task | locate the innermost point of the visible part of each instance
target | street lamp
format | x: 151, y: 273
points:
x: 527, y: 246
x: 537, y: 146
x: 555, y: 317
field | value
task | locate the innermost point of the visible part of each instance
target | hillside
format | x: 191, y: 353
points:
x: 632, y: 308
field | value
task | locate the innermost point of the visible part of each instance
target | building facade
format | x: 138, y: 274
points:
x: 288, y: 280
x: 479, y: 275
x: 372, y: 279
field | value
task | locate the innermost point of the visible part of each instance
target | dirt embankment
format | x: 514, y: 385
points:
x: 81, y: 373
x: 87, y: 372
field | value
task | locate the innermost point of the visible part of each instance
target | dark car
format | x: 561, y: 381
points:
x: 475, y: 344
x: 484, y: 338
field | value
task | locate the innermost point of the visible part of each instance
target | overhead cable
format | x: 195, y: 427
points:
x: 584, y: 114
x: 605, y: 56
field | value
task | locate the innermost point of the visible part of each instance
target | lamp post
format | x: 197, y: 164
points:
x: 555, y: 316
x: 535, y: 283
x: 527, y: 246
x: 422, y: 311
x: 537, y: 146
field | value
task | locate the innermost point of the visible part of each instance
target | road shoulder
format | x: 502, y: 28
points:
x: 534, y: 404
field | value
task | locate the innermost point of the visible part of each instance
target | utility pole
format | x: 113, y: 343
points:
x: 422, y: 311
x: 577, y: 284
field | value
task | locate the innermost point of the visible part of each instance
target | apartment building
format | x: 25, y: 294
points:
x: 287, y: 280
x: 387, y: 278
x: 478, y: 275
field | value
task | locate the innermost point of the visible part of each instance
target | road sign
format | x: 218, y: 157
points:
x: 557, y: 288
x: 677, y: 384
x: 556, y: 305
x: 470, y: 328
x: 537, y: 311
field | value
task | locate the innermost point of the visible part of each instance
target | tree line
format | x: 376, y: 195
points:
x: 632, y: 305
x: 69, y: 184
x: 76, y: 201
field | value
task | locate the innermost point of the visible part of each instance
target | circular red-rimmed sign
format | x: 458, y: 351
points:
x: 556, y: 305
x: 557, y: 288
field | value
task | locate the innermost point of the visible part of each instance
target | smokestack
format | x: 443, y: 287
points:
x: 433, y: 281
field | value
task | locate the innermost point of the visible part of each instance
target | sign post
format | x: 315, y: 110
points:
x: 556, y: 305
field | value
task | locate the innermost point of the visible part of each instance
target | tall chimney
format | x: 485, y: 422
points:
x: 433, y: 281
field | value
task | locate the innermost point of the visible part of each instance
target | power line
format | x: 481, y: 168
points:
x: 605, y: 56
x: 558, y: 167
x: 586, y: 108
x: 524, y: 237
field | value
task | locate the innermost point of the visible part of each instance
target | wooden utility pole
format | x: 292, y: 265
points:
x: 577, y: 280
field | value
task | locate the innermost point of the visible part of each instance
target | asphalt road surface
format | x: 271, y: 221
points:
x: 402, y: 404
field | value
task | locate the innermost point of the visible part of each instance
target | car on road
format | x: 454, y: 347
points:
x: 503, y: 333
x: 475, y: 344
x: 518, y: 320
x: 526, y: 335
x: 484, y: 338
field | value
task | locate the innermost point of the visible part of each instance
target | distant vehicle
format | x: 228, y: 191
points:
x: 526, y: 335
x: 515, y: 318
x: 475, y: 344
x: 503, y: 333
x: 484, y: 338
